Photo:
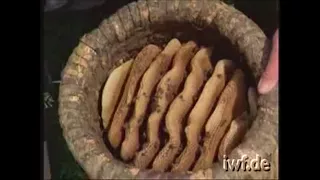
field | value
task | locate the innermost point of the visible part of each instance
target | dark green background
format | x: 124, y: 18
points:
x: 62, y: 30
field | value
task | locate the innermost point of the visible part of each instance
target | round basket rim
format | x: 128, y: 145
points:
x: 90, y: 152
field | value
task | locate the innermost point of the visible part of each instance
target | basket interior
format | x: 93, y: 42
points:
x: 159, y: 35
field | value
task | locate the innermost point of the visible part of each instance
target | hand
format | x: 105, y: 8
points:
x: 269, y: 78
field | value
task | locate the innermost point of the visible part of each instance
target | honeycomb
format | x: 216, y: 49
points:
x: 172, y: 108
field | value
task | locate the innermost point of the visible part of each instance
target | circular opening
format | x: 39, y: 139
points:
x: 123, y: 111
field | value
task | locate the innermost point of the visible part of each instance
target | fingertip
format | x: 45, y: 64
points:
x: 266, y: 85
x: 276, y: 34
x: 269, y: 78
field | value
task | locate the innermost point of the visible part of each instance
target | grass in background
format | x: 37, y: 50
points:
x: 61, y: 35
